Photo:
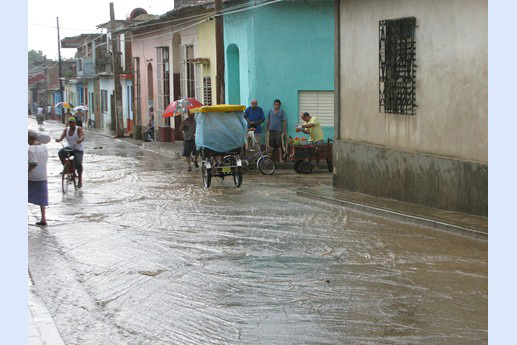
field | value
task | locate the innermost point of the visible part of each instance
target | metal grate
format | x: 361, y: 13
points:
x: 207, y: 91
x: 397, y: 66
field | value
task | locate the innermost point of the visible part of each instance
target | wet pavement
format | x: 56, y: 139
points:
x: 143, y: 254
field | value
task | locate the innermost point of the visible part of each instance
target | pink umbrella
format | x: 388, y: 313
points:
x: 181, y: 106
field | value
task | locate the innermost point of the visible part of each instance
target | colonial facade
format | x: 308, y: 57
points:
x: 283, y: 51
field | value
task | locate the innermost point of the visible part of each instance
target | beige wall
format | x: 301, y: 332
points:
x: 451, y: 78
x: 206, y: 49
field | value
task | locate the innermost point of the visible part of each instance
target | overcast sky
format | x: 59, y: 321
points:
x: 77, y: 17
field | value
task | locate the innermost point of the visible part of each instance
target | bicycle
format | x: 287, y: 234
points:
x: 265, y: 165
x: 68, y: 176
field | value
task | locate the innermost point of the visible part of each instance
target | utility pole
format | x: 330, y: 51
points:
x: 219, y: 49
x: 116, y: 76
x: 60, y: 72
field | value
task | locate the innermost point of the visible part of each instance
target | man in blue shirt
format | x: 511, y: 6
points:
x: 276, y: 127
x: 254, y: 115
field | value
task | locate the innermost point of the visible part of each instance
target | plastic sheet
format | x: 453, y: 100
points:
x: 220, y: 131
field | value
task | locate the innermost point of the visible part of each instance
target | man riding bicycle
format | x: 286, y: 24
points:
x: 74, y: 136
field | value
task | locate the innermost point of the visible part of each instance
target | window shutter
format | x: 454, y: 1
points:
x: 319, y: 104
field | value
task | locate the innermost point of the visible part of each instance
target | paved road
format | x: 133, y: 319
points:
x: 143, y: 254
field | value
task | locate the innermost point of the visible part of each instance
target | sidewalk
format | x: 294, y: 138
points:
x: 42, y: 329
x: 461, y: 223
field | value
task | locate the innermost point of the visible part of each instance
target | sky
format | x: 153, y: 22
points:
x: 77, y: 17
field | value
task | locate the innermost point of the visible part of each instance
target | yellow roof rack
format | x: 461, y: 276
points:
x: 220, y: 108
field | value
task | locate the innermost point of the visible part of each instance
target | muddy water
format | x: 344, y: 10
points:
x: 143, y: 254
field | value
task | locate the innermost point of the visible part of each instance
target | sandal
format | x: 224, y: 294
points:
x: 41, y: 223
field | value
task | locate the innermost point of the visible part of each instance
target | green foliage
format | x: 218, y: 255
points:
x: 36, y: 58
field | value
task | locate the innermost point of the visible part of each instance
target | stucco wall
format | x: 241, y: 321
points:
x: 451, y: 78
x: 107, y: 84
x: 284, y: 48
x: 206, y: 49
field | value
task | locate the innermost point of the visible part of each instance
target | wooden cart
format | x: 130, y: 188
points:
x: 303, y: 155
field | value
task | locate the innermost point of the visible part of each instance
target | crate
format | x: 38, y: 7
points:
x: 304, y: 151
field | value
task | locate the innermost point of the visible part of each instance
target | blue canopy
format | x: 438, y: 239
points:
x: 220, y: 131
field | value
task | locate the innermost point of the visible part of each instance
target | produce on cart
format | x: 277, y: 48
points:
x: 220, y: 134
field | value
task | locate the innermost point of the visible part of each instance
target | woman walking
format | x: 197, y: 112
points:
x: 38, y: 190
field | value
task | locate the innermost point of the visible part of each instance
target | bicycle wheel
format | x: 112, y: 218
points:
x: 74, y: 178
x: 266, y: 165
x: 64, y: 182
x: 207, y: 177
x: 237, y: 177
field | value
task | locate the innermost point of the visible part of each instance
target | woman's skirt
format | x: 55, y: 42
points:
x: 38, y: 193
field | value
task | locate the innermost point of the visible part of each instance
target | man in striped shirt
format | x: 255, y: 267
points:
x: 189, y: 144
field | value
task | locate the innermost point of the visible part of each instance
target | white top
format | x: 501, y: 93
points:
x: 38, y: 154
x: 72, y: 139
x: 40, y: 110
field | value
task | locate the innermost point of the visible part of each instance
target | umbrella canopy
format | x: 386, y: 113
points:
x: 81, y: 107
x: 64, y: 105
x: 181, y: 106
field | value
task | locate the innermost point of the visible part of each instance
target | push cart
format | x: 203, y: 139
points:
x: 304, y: 154
x: 220, y: 135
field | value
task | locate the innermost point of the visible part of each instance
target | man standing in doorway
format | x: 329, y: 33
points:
x: 254, y: 115
x: 277, y: 127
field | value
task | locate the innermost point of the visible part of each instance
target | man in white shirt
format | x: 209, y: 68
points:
x: 37, y: 176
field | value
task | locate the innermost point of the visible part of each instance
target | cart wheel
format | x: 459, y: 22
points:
x: 330, y: 166
x: 305, y: 167
x: 207, y: 177
x: 266, y: 165
x: 297, y: 165
x: 237, y: 177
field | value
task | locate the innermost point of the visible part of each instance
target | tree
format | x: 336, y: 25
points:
x: 36, y: 58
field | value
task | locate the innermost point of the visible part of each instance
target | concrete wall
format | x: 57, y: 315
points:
x: 439, y: 156
x: 283, y: 48
x: 451, y: 77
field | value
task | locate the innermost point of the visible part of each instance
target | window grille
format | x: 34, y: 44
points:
x: 397, y: 66
x: 207, y: 91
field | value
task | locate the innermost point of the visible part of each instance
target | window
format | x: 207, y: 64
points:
x: 188, y: 81
x: 207, y: 91
x: 397, y: 66
x: 162, y: 80
x: 136, y: 67
x: 319, y: 104
x: 104, y: 101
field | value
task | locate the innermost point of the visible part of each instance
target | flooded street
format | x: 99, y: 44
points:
x: 143, y: 254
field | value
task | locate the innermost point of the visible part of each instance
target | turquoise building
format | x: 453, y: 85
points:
x: 282, y: 50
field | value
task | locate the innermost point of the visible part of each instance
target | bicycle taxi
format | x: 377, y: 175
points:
x: 220, y: 134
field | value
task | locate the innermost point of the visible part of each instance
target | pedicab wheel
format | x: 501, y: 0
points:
x: 330, y: 166
x: 305, y: 167
x: 266, y: 165
x: 237, y: 177
x: 297, y: 165
x: 207, y: 176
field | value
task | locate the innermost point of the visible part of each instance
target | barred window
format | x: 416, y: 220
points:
x: 397, y: 66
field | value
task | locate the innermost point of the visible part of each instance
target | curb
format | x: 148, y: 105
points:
x: 400, y: 216
x: 42, y: 328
